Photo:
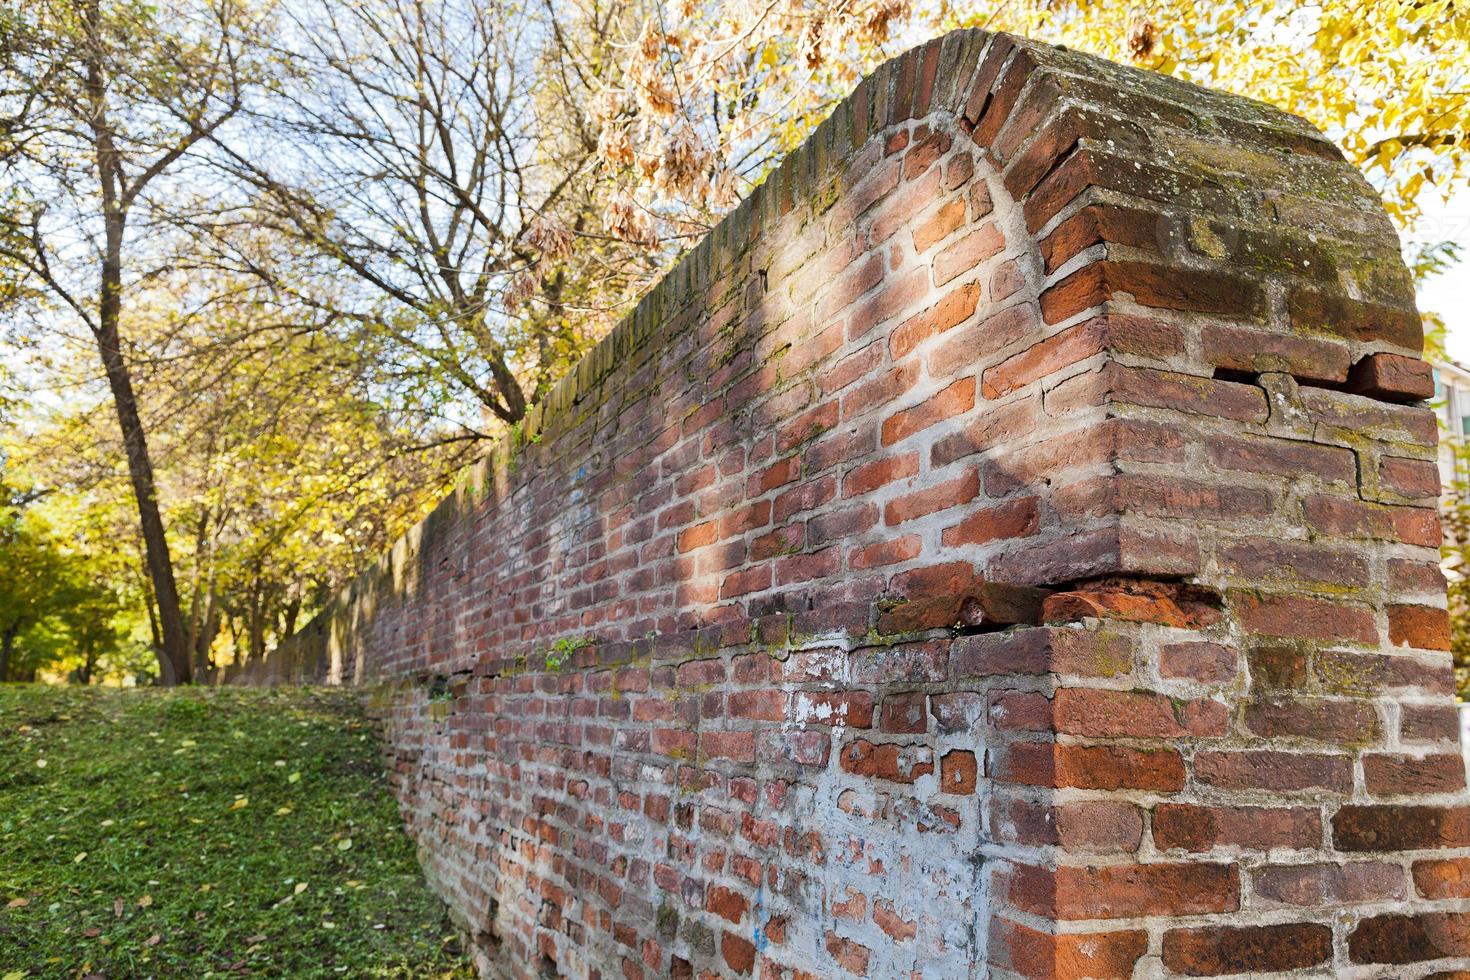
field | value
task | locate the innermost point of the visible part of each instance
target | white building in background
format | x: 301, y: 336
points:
x: 1452, y: 403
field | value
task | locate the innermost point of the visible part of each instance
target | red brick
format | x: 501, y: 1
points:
x: 850, y: 709
x: 1422, y: 627
x: 1338, y: 517
x: 923, y: 154
x: 1314, y: 311
x: 1397, y: 938
x: 889, y: 552
x: 875, y: 473
x: 899, y: 210
x: 1195, y: 827
x: 1208, y: 663
x: 1013, y: 519
x: 726, y: 903
x: 1412, y: 479
x: 1098, y: 826
x: 905, y: 714
x: 850, y: 954
x: 1304, y: 618
x: 958, y: 772
x: 1107, y: 767
x: 958, y: 352
x: 1443, y: 878
x: 1071, y: 956
x: 938, y: 224
x: 954, y: 400
x: 1392, y: 377
x: 1151, y: 388
x: 1076, y: 343
x: 1215, y: 950
x: 887, y: 918
x: 1133, y: 714
x: 963, y: 255
x: 935, y: 497
x: 954, y: 309
x: 896, y: 763
x: 738, y: 953
x: 782, y: 541
x: 1157, y: 286
x: 1328, y: 885
x: 1279, y: 771
x: 1318, y: 719
x: 1265, y: 351
x: 1388, y: 774
x: 1400, y: 827
x: 746, y: 581
x: 1099, y: 223
x: 1126, y: 891
x: 698, y: 536
x: 1283, y: 457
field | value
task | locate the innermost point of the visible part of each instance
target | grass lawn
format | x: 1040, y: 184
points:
x: 205, y: 833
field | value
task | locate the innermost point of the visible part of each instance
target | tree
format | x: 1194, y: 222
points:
x: 421, y: 173
x: 106, y: 100
x: 279, y: 475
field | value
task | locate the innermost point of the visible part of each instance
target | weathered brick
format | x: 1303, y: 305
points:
x: 896, y: 763
x: 1389, y: 774
x: 1400, y: 827
x: 1215, y: 950
x: 1397, y: 938
x: 1316, y: 311
x: 1443, y: 878
x: 1195, y: 827
x: 1391, y: 377
x: 956, y: 399
x: 1126, y: 891
x: 1271, y: 770
x: 1150, y: 285
x: 1424, y: 627
x: 774, y: 507
x: 1327, y: 885
x: 936, y: 497
x: 1071, y: 956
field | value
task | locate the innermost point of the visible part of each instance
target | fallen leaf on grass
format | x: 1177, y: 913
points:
x: 117, y: 907
x: 79, y: 858
x: 92, y: 933
x: 145, y: 901
x: 345, y: 844
x: 17, y: 903
x: 255, y: 939
x: 153, y: 940
x: 240, y: 803
x: 301, y: 886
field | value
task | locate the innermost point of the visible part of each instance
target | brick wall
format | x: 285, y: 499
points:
x: 1006, y: 546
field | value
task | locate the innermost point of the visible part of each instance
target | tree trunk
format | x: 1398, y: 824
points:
x: 89, y: 665
x: 288, y: 623
x: 7, y: 647
x: 173, y: 653
x: 256, y: 626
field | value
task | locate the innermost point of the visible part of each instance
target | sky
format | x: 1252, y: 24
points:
x: 1448, y: 293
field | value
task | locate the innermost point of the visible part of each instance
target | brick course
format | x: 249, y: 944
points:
x: 1004, y: 546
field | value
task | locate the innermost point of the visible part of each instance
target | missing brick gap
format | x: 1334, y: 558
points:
x: 1136, y: 599
x: 1304, y: 381
x: 1239, y: 377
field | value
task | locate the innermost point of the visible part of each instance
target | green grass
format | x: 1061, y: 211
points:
x: 199, y: 833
